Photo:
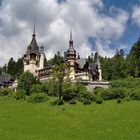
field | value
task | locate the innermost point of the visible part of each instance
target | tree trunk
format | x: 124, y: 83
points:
x: 60, y: 89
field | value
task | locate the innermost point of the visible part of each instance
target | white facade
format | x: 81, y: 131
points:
x: 34, y: 57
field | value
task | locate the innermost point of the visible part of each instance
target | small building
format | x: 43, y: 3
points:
x: 6, y: 80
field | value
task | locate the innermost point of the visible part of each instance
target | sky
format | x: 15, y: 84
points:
x: 106, y: 24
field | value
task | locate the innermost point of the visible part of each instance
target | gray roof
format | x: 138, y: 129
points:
x: 81, y: 62
x: 93, y: 66
x: 6, y: 79
x: 33, y: 47
x: 71, y: 49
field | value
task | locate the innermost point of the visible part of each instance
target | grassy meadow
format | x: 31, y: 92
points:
x: 20, y: 120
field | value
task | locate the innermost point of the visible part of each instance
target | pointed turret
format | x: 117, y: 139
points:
x: 71, y: 57
x: 33, y: 47
x: 32, y: 56
x: 99, y: 65
x: 71, y: 50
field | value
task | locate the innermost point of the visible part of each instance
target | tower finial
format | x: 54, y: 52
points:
x: 98, y: 57
x: 99, y: 64
x: 71, y: 41
x: 70, y: 34
x: 34, y: 27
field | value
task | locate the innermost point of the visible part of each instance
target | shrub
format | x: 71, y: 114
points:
x: 135, y: 94
x: 6, y: 92
x: 119, y: 100
x: 76, y: 91
x: 39, y: 88
x: 79, y: 88
x: 119, y: 93
x: 129, y: 82
x: 87, y: 95
x: 59, y: 102
x: 51, y: 87
x: 87, y: 102
x: 69, y: 96
x: 38, y: 98
x: 99, y: 100
x: 36, y: 89
x: 128, y: 98
x: 106, y: 94
x: 82, y: 99
x: 112, y: 93
x: 72, y: 102
x: 20, y: 94
x: 68, y: 93
x: 86, y: 98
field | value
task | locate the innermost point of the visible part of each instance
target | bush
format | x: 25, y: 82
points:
x: 59, y: 102
x: 129, y: 82
x: 87, y: 102
x: 112, y: 93
x: 72, y: 102
x: 82, y: 99
x: 119, y: 101
x: 69, y: 94
x: 128, y: 98
x: 86, y: 95
x: 38, y: 98
x: 106, y: 94
x: 86, y: 98
x: 99, y: 100
x: 119, y: 93
x: 79, y: 88
x: 6, y: 92
x: 39, y: 88
x: 136, y: 94
x: 20, y: 94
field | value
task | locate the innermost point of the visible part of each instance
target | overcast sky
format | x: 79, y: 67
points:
x: 108, y: 24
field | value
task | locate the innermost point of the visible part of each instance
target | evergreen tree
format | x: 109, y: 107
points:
x: 57, y: 60
x: 11, y: 67
x: 19, y: 67
x: 134, y: 60
x: 115, y: 67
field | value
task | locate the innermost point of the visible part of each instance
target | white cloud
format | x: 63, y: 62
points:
x: 136, y: 15
x: 54, y: 20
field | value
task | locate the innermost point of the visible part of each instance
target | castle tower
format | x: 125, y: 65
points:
x: 42, y: 58
x: 71, y: 57
x: 32, y: 56
x: 99, y: 66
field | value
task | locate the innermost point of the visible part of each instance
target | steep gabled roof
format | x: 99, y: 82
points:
x: 33, y: 47
x: 71, y: 49
x: 81, y: 62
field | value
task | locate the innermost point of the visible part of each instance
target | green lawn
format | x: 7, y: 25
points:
x: 108, y: 121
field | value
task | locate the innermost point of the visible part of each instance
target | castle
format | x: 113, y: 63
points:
x: 79, y: 67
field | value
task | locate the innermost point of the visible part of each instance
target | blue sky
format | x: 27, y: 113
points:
x: 132, y: 32
x: 106, y: 24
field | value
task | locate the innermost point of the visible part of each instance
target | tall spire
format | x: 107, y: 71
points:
x: 34, y: 27
x: 71, y: 41
x: 33, y: 47
x: 99, y: 65
x: 98, y: 58
x: 71, y: 34
x: 71, y: 50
